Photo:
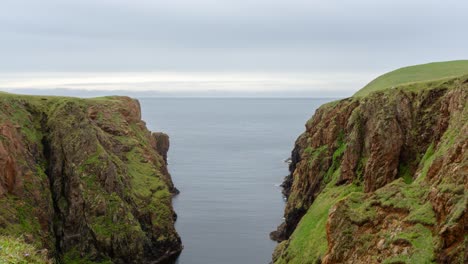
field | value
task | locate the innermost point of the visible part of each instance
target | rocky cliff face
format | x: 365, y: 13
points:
x: 381, y: 179
x: 84, y: 181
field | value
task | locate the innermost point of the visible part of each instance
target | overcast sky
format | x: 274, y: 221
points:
x: 310, y: 47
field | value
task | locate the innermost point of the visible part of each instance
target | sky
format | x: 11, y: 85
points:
x: 294, y: 47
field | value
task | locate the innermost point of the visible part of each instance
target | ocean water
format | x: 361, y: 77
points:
x: 227, y: 159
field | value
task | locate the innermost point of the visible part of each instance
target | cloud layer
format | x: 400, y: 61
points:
x: 326, y: 37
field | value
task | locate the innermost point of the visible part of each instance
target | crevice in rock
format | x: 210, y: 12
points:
x: 56, y: 218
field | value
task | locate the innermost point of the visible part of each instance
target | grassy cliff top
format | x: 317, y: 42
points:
x: 43, y: 101
x: 54, y: 97
x: 417, y: 73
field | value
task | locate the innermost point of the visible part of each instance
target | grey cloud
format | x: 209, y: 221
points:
x: 187, y: 35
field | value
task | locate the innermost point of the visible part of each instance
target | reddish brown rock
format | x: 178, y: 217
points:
x: 379, y: 142
x: 161, y: 144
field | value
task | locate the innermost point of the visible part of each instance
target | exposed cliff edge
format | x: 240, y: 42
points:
x: 381, y: 178
x: 83, y: 181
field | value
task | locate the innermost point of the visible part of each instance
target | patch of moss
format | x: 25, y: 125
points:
x: 422, y: 244
x: 458, y: 210
x: 117, y: 220
x: 408, y: 197
x: 151, y: 192
x: 95, y: 159
x: 402, y: 196
x: 144, y: 177
x: 336, y: 158
x: 451, y: 188
x: 314, y: 153
x: 360, y: 208
x: 424, y: 215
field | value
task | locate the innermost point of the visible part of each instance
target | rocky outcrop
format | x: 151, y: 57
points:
x: 83, y: 180
x: 380, y: 178
x: 161, y: 144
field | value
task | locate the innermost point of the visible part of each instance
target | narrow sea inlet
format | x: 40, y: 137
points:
x: 227, y: 159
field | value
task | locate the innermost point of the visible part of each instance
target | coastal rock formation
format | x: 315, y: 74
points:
x: 84, y: 181
x: 161, y: 144
x: 381, y: 178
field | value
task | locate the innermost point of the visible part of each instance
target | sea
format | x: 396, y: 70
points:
x: 228, y: 158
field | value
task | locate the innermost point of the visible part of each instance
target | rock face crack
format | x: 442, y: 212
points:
x: 56, y: 212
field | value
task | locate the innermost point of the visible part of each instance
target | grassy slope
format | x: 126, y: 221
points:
x: 307, y: 244
x: 417, y: 73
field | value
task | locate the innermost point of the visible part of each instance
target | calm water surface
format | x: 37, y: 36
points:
x: 227, y: 159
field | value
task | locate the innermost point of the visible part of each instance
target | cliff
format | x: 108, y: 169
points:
x: 83, y: 181
x: 380, y: 178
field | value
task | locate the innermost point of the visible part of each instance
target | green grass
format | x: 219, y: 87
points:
x: 117, y: 222
x: 150, y: 191
x: 423, y: 215
x: 309, y: 240
x: 16, y: 251
x: 458, y: 210
x: 426, y: 161
x: 360, y: 208
x: 16, y: 112
x: 314, y: 153
x: 144, y: 176
x: 414, y: 74
x: 73, y: 257
x: 19, y: 216
x: 336, y: 160
x: 422, y: 244
x: 400, y: 195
